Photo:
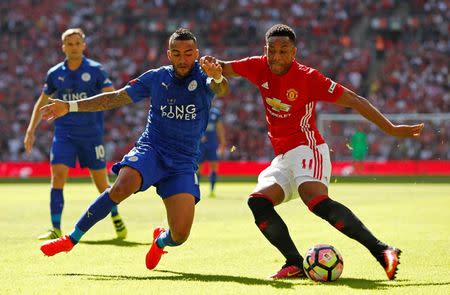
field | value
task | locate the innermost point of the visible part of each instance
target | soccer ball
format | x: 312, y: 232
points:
x: 323, y: 263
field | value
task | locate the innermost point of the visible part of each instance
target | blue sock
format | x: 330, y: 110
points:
x: 114, y: 211
x: 56, y: 206
x: 98, y: 210
x: 212, y: 179
x: 165, y: 239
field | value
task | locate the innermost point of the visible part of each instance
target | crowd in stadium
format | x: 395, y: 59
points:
x: 395, y: 53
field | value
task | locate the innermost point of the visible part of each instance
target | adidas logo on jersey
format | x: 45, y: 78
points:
x: 265, y: 85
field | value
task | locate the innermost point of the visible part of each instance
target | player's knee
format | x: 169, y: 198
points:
x: 119, y: 192
x: 259, y: 206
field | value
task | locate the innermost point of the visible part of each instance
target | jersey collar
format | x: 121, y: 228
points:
x: 82, y: 65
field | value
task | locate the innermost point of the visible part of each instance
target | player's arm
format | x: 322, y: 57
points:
x: 101, y: 102
x: 108, y: 89
x: 220, y: 129
x: 36, y: 117
x: 219, y: 84
x: 227, y: 69
x: 368, y: 111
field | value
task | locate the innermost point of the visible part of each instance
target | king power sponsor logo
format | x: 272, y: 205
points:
x: 179, y: 112
x: 74, y: 96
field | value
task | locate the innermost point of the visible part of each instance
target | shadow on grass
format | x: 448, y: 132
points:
x: 115, y: 242
x: 168, y: 275
x: 184, y: 276
x: 365, y: 284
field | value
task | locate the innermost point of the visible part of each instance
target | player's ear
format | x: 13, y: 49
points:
x: 265, y: 50
x: 169, y: 55
x: 197, y: 53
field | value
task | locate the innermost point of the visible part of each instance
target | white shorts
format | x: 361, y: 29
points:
x: 298, y: 165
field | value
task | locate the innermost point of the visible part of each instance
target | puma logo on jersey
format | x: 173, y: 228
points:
x: 61, y: 78
x: 265, y: 85
x: 165, y: 85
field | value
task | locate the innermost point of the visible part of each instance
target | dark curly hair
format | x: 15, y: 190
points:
x: 182, y: 34
x: 281, y: 30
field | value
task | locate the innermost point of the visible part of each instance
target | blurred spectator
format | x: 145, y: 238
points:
x: 130, y: 36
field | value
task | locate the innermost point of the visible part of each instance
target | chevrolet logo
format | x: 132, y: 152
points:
x: 277, y: 105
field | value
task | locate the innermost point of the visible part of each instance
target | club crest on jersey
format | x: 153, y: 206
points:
x: 85, y: 77
x: 192, y: 86
x: 277, y: 105
x: 291, y: 94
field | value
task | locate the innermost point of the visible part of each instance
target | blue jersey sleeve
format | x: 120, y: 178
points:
x: 49, y: 87
x: 140, y: 88
x: 103, y: 79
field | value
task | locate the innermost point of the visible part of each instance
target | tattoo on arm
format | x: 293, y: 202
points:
x: 104, y: 101
x: 220, y: 89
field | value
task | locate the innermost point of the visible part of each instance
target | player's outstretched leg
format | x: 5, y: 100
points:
x: 63, y: 244
x: 98, y: 210
x: 154, y: 254
x: 346, y: 222
x: 276, y: 232
x: 389, y: 260
x: 119, y: 225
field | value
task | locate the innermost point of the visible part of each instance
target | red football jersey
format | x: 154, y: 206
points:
x: 290, y: 100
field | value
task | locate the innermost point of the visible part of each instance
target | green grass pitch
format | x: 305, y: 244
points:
x: 225, y: 253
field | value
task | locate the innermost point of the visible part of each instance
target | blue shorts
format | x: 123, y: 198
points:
x: 89, y: 151
x: 208, y: 152
x: 157, y: 170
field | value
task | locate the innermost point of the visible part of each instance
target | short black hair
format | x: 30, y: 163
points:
x: 281, y: 30
x: 182, y: 34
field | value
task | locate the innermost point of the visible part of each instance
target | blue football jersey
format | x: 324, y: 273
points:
x: 211, y: 129
x: 88, y: 80
x: 178, y: 113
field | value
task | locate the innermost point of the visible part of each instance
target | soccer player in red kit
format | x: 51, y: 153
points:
x: 302, y: 164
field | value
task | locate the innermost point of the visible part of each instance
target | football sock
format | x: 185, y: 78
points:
x: 98, y: 210
x: 212, y: 179
x: 114, y: 211
x: 346, y: 222
x: 165, y: 239
x: 274, y: 228
x: 56, y: 206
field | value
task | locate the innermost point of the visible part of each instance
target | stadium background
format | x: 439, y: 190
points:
x: 395, y: 53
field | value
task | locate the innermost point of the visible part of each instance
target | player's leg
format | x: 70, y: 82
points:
x: 313, y: 191
x: 180, y: 193
x: 100, y: 178
x: 266, y: 195
x: 59, y: 174
x: 180, y: 210
x: 62, y: 156
x: 128, y: 182
x: 213, y: 177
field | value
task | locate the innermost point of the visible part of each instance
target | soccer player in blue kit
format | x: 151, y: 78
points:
x: 77, y: 135
x: 212, y: 146
x: 165, y: 156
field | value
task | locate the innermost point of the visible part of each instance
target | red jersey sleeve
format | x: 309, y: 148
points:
x: 323, y: 88
x: 249, y: 68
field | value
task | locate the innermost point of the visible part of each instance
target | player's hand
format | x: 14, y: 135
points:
x: 407, y: 130
x: 55, y: 109
x: 28, y: 142
x: 211, y: 67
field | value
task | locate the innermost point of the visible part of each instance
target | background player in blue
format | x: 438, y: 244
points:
x: 166, y: 154
x: 76, y: 136
x: 212, y: 145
